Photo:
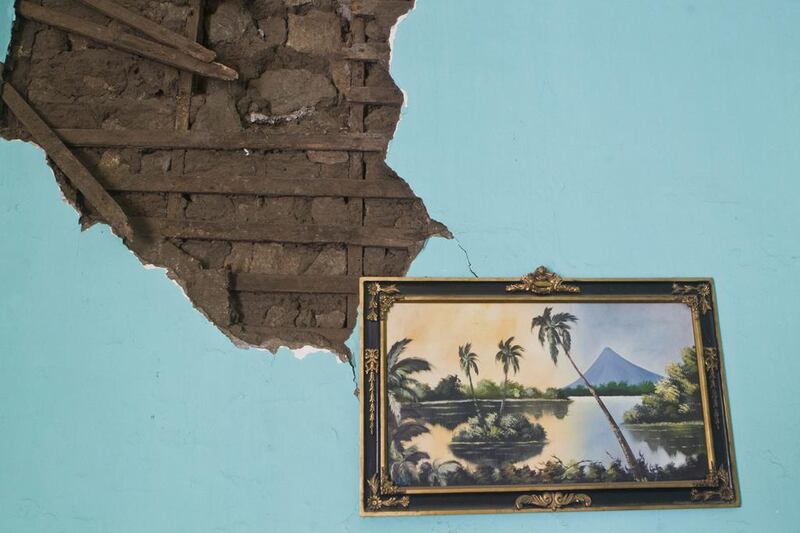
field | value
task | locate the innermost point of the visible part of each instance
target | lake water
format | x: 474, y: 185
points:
x: 576, y: 430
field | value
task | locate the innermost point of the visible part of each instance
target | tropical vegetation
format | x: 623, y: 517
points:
x: 554, y: 332
x: 612, y: 388
x: 506, y: 428
x: 676, y: 398
x: 468, y: 360
x: 451, y: 388
x: 507, y: 355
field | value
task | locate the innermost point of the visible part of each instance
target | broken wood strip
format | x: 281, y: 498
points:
x: 186, y: 81
x: 375, y: 95
x: 66, y: 161
x: 355, y: 254
x: 152, y: 29
x: 183, y: 106
x: 205, y: 140
x: 370, y: 52
x: 261, y: 232
x: 250, y: 282
x: 289, y: 333
x: 125, y: 41
x: 257, y: 186
x: 375, y: 7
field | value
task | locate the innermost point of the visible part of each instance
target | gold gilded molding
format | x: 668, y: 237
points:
x: 724, y: 490
x: 711, y: 360
x: 377, y: 501
x: 542, y: 281
x: 387, y: 487
x: 553, y: 500
x: 371, y: 372
x: 695, y: 296
x: 381, y: 297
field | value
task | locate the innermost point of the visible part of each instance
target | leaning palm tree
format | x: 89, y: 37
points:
x: 554, y: 331
x: 402, y: 387
x: 469, y: 364
x: 509, y: 355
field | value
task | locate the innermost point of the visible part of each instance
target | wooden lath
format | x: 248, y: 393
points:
x: 286, y: 333
x: 252, y: 282
x: 155, y: 31
x: 125, y: 41
x: 374, y: 7
x: 78, y: 175
x: 203, y: 140
x: 375, y: 96
x: 306, y: 234
x: 367, y: 52
x: 257, y: 186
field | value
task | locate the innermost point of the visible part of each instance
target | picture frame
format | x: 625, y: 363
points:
x: 466, y: 406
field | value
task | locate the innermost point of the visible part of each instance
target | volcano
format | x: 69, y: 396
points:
x: 611, y: 366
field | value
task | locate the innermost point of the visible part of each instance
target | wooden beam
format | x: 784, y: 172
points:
x: 152, y: 29
x: 125, y: 41
x: 78, y: 175
x: 375, y: 95
x: 250, y: 282
x: 260, y: 232
x: 257, y: 185
x: 206, y: 140
x: 374, y: 7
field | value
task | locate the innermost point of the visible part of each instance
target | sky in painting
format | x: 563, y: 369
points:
x: 650, y: 335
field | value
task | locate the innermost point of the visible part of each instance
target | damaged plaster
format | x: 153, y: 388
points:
x: 269, y: 267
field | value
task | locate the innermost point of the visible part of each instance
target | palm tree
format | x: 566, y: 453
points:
x: 554, y: 331
x: 469, y: 364
x: 509, y: 355
x: 401, y: 385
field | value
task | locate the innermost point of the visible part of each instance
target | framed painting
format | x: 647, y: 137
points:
x: 542, y: 394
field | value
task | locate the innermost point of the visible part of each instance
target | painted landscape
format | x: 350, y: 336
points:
x: 525, y: 393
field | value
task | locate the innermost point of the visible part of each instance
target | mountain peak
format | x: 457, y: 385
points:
x: 611, y: 366
x: 609, y: 354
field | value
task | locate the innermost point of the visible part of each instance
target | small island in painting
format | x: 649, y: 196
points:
x: 532, y: 393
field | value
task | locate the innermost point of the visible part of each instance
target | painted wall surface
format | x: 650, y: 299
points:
x: 625, y: 139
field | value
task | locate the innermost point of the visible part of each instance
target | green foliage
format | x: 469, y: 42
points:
x: 613, y: 388
x: 676, y: 398
x: 556, y: 471
x: 509, y: 428
x: 554, y: 331
x: 402, y: 386
x: 509, y: 355
x: 448, y: 388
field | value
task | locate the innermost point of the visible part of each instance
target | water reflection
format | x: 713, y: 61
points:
x: 576, y: 430
x: 451, y: 414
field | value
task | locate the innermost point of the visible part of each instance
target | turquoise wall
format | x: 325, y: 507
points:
x: 633, y: 139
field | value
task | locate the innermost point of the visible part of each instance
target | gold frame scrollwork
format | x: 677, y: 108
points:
x: 718, y: 487
x: 383, y: 493
x: 371, y: 366
x: 382, y: 297
x: 711, y: 360
x: 723, y: 491
x: 695, y: 296
x: 553, y: 500
x: 542, y: 281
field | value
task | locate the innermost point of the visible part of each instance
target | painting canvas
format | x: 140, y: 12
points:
x: 510, y: 393
x: 495, y: 389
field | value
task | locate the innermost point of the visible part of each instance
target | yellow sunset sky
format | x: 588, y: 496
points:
x: 648, y: 334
